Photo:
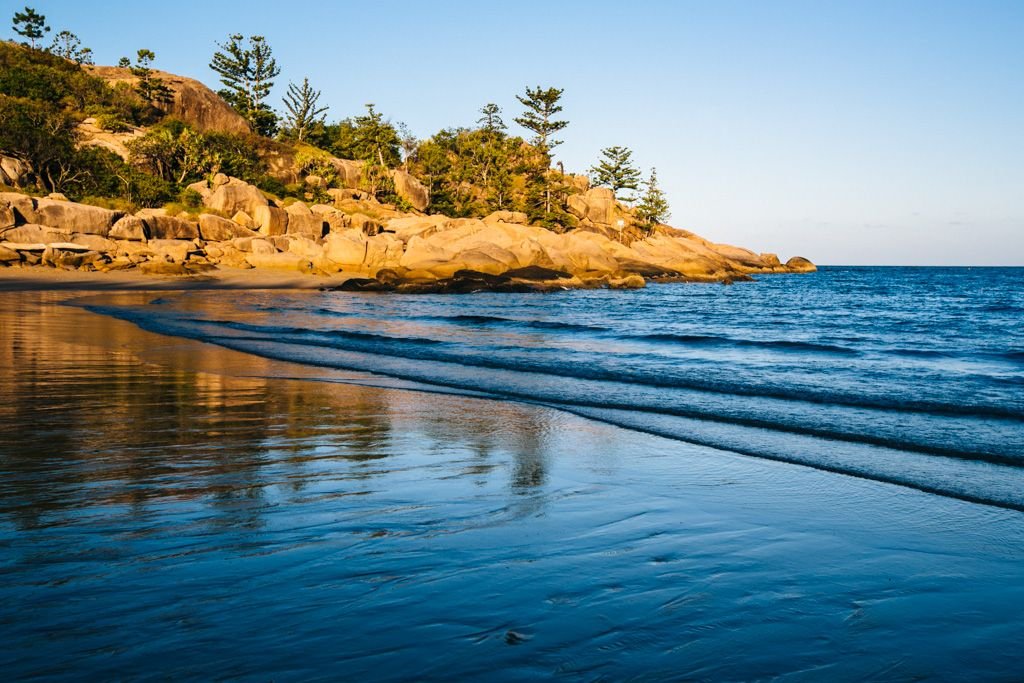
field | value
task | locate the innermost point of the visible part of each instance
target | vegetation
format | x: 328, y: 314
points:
x: 616, y: 170
x: 248, y: 73
x: 30, y: 24
x: 468, y: 171
x: 653, y: 206
x: 303, y: 112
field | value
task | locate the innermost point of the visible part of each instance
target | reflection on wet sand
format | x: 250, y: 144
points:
x: 90, y: 421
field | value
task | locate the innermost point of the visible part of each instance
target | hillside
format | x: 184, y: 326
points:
x: 130, y: 167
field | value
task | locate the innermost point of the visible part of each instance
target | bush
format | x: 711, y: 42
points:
x: 110, y: 121
x: 190, y: 199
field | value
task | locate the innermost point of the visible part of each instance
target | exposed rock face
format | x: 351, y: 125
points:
x: 70, y: 217
x: 411, y: 190
x: 396, y: 251
x: 12, y: 171
x: 216, y: 229
x: 596, y: 205
x: 193, y: 102
x: 91, y: 135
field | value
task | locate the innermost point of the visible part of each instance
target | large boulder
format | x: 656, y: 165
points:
x: 798, y: 264
x: 507, y: 217
x: 71, y: 217
x: 271, y: 220
x: 411, y: 190
x: 12, y: 171
x: 172, y: 250
x: 172, y: 228
x: 130, y: 228
x: 231, y: 195
x: 216, y: 229
x: 22, y: 206
x: 192, y: 102
x: 302, y: 221
x: 8, y: 256
x: 31, y: 233
x: 596, y: 205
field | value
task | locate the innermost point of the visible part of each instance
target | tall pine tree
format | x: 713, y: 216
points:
x: 653, y: 207
x: 302, y: 111
x: 30, y: 24
x: 541, y: 108
x: 616, y: 171
x: 248, y: 74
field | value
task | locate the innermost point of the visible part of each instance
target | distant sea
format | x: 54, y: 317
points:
x: 807, y: 477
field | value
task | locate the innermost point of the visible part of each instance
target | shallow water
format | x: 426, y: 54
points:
x: 170, y: 508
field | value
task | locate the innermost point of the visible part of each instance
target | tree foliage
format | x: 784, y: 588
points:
x: 248, y: 73
x: 653, y: 207
x: 303, y: 112
x: 150, y: 88
x: 541, y: 108
x: 491, y: 119
x: 67, y: 46
x: 616, y: 170
x: 30, y: 24
x: 177, y: 153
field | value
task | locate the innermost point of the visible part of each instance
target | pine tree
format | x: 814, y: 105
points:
x: 150, y: 88
x: 30, y: 24
x: 541, y: 107
x: 653, y: 207
x: 248, y: 75
x: 67, y: 45
x: 303, y: 112
x: 616, y: 171
x: 491, y: 119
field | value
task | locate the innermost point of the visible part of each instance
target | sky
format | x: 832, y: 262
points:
x: 860, y: 132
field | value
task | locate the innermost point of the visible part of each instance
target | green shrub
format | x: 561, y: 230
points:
x: 190, y: 198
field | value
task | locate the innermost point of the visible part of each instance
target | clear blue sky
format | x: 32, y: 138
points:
x: 852, y: 133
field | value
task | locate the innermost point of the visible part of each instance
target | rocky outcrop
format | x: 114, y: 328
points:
x: 391, y: 251
x: 12, y: 171
x: 192, y: 102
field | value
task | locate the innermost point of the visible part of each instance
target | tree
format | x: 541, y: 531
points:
x: 150, y: 88
x: 409, y: 142
x: 303, y: 112
x: 67, y: 45
x: 30, y: 24
x: 616, y: 171
x: 541, y: 107
x: 491, y: 119
x: 40, y: 135
x: 653, y: 207
x: 248, y: 74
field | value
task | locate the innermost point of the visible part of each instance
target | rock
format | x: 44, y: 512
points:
x: 21, y: 205
x: 191, y: 102
x: 202, y: 188
x: 536, y: 273
x: 302, y: 221
x: 130, y: 228
x: 417, y: 226
x: 365, y: 224
x: 216, y: 229
x: 172, y: 228
x: 95, y: 242
x: 342, y: 249
x: 507, y: 217
x: 350, y: 173
x: 280, y: 261
x: 173, y: 250
x: 313, y: 180
x: 771, y: 260
x: 347, y: 193
x: 58, y: 257
x: 163, y: 268
x: 261, y: 247
x: 798, y: 264
x: 271, y: 220
x: 7, y: 219
x: 35, y: 234
x: 9, y: 255
x: 235, y: 195
x: 629, y: 282
x: 12, y: 171
x: 71, y: 217
x: 245, y: 220
x: 597, y: 205
x: 307, y: 248
x: 58, y: 196
x: 232, y: 257
x: 411, y: 190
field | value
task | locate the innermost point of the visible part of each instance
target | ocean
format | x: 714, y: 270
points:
x: 805, y: 477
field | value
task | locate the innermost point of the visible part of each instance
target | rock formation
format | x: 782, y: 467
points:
x: 377, y: 245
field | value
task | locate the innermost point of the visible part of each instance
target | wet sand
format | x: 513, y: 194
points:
x: 174, y: 509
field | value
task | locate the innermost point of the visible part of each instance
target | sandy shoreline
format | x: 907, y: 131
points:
x: 47, y: 279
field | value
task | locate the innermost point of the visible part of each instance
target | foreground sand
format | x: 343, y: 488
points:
x: 44, y: 279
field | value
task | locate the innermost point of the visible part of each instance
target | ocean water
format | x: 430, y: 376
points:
x: 804, y: 478
x: 906, y: 375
